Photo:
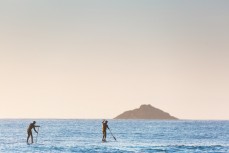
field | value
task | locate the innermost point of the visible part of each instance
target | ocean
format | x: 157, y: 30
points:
x: 133, y: 136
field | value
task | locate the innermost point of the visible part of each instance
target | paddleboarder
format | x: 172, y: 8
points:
x: 29, y: 131
x: 104, y: 129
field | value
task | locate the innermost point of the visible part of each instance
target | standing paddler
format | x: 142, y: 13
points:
x: 104, y: 129
x: 29, y: 131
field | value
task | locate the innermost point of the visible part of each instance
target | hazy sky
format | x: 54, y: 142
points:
x: 98, y: 58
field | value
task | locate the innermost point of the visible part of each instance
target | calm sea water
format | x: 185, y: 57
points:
x: 139, y: 136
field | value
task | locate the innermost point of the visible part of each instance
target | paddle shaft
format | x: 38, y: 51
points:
x: 37, y: 134
x: 112, y: 135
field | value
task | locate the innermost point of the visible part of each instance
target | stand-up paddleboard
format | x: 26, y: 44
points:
x: 29, y: 143
x: 35, y: 144
x: 104, y: 141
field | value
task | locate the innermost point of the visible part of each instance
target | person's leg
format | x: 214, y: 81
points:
x: 105, y: 135
x: 32, y: 137
x: 29, y: 135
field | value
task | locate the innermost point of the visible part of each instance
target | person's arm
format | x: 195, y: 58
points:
x: 35, y: 129
x: 107, y: 127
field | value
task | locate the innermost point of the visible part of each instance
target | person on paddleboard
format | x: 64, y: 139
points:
x: 29, y: 131
x: 104, y: 129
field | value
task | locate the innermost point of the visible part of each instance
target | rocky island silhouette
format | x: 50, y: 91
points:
x: 146, y: 112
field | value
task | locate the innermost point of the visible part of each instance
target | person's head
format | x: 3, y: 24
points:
x: 34, y: 122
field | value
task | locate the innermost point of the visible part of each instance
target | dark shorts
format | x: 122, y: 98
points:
x: 29, y: 132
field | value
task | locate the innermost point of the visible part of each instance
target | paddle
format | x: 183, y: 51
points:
x: 112, y: 134
x: 37, y: 134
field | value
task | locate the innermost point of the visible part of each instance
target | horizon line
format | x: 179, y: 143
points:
x: 111, y: 119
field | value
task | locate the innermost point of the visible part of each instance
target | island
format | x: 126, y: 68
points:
x: 146, y: 112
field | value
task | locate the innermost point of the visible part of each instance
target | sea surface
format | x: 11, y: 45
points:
x: 140, y: 136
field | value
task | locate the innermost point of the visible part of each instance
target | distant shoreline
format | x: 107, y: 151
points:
x: 114, y: 119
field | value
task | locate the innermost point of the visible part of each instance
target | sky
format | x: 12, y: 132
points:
x: 90, y: 59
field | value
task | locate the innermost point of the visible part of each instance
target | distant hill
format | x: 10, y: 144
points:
x: 146, y: 112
